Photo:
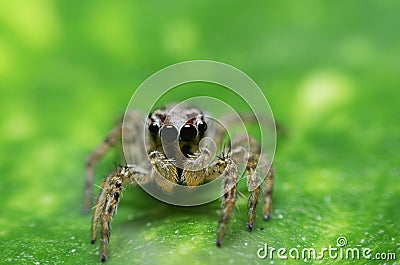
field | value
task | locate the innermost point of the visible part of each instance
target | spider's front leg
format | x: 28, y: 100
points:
x: 228, y: 168
x: 108, y: 199
x: 132, y: 127
x: 110, y: 140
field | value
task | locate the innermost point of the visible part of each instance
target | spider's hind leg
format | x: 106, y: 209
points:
x: 92, y: 160
x: 255, y: 162
x: 267, y: 194
x: 132, y: 127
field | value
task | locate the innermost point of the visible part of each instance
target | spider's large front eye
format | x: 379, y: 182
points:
x: 154, y: 128
x: 169, y: 133
x: 202, y: 126
x: 188, y: 133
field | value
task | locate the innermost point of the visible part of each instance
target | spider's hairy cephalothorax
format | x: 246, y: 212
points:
x: 173, y: 135
x: 189, y: 124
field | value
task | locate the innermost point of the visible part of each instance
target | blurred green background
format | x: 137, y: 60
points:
x: 330, y: 70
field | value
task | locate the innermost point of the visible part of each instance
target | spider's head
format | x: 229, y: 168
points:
x: 185, y: 126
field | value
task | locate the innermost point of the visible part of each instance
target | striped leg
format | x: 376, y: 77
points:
x: 252, y: 179
x: 256, y: 164
x: 107, y: 202
x: 133, y: 131
x: 267, y: 196
x: 110, y: 140
x: 230, y: 177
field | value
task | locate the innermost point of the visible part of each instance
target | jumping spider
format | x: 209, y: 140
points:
x: 185, y: 127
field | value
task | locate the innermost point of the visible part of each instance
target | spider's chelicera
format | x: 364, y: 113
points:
x: 172, y: 136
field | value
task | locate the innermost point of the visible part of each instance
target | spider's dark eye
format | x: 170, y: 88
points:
x: 154, y: 128
x: 188, y: 133
x: 202, y: 126
x: 169, y: 133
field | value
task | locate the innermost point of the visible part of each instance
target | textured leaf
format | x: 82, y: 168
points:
x: 329, y: 70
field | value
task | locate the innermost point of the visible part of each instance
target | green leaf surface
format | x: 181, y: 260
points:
x: 328, y: 69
